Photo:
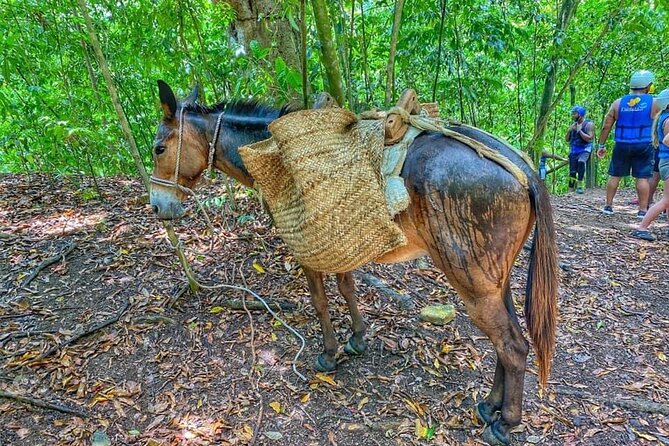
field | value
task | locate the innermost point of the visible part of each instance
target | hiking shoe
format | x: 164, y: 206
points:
x: 643, y: 234
x: 608, y: 210
x: 640, y: 215
x: 579, y: 190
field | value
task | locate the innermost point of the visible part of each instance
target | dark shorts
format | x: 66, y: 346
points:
x: 575, y: 158
x: 639, y: 158
x: 656, y: 164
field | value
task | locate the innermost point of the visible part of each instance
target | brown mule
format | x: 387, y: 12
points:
x: 468, y: 213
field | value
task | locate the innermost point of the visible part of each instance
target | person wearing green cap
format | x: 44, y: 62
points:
x: 579, y: 136
x: 660, y: 130
x: 633, y: 118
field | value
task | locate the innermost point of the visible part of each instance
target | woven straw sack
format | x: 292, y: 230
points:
x: 320, y: 174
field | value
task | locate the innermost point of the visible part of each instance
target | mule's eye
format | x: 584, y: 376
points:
x: 159, y: 149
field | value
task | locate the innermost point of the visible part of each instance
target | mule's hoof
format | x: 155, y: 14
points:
x: 354, y: 347
x: 494, y: 436
x: 485, y: 413
x: 323, y: 364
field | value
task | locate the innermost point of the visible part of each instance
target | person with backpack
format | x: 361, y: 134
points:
x: 660, y: 130
x: 579, y: 136
x: 632, y: 115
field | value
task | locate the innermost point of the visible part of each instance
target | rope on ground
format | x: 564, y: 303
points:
x: 274, y: 315
x: 269, y: 310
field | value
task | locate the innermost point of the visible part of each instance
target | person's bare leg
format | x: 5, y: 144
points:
x: 642, y: 189
x: 611, y: 189
x: 654, y: 211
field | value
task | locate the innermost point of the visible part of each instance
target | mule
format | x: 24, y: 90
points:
x: 470, y: 215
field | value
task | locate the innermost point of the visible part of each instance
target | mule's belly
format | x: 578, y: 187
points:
x: 415, y: 247
x: 402, y: 254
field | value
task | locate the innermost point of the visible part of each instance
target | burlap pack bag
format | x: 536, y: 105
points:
x: 320, y: 175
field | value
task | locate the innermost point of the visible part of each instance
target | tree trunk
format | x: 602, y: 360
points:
x: 328, y: 51
x: 363, y: 50
x: 264, y: 22
x: 127, y: 132
x: 102, y: 62
x: 303, y: 52
x: 390, y: 69
x: 534, y: 146
x: 458, y: 66
x: 442, y: 18
x: 567, y: 9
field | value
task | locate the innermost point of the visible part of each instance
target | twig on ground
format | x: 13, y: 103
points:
x: 15, y: 316
x: 258, y: 423
x: 23, y: 334
x: 633, y: 403
x: 42, y: 404
x: 90, y: 331
x: 173, y: 300
x: 48, y: 262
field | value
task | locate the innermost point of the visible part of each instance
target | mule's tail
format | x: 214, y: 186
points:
x: 542, y: 282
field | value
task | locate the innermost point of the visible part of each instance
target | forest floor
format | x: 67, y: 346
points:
x: 150, y: 371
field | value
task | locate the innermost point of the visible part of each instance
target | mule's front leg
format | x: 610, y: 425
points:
x: 325, y: 362
x: 356, y: 344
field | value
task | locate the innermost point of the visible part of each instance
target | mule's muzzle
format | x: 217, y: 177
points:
x: 165, y: 205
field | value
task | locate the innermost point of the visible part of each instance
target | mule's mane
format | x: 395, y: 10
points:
x: 240, y: 109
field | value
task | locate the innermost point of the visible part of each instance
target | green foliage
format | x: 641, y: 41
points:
x: 56, y: 115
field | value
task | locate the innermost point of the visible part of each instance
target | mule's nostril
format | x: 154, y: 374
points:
x: 154, y: 208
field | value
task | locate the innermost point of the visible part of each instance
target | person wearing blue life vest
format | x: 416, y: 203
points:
x: 579, y: 136
x: 661, y: 141
x: 633, y: 118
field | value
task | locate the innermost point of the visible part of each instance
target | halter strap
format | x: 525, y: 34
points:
x: 210, y: 158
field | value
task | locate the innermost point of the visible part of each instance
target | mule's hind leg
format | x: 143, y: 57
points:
x: 490, y: 314
x: 356, y: 344
x: 487, y: 410
x: 325, y: 361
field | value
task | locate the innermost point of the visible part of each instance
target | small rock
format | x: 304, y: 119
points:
x: 578, y: 421
x: 100, y: 438
x: 422, y: 263
x: 276, y: 436
x: 534, y: 439
x: 438, y: 314
x: 581, y: 357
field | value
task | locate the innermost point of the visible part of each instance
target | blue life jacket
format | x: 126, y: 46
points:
x: 635, y: 120
x: 577, y: 143
x: 664, y: 150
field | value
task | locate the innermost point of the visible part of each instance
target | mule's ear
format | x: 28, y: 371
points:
x: 167, y: 99
x: 192, y: 97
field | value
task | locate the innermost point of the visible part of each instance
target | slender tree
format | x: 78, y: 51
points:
x: 390, y: 68
x: 106, y: 73
x: 328, y: 51
x: 566, y: 12
x: 127, y: 132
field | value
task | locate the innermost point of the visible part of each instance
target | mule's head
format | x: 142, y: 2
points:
x: 166, y: 200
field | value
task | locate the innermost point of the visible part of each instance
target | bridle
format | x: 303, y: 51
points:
x: 210, y: 159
